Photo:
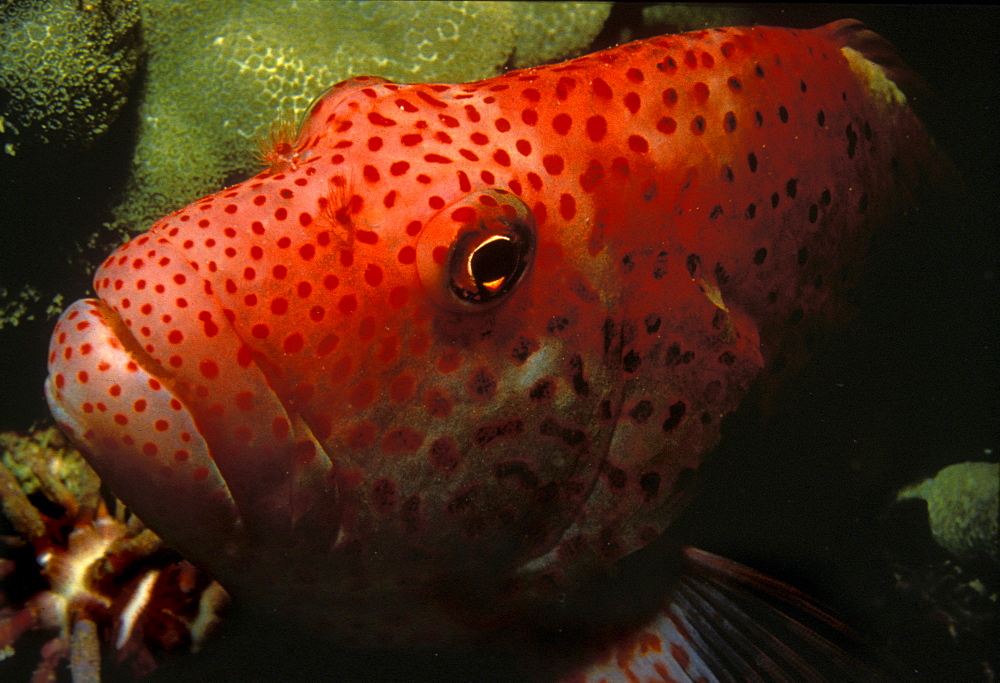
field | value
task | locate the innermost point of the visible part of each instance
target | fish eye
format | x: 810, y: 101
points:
x: 472, y: 254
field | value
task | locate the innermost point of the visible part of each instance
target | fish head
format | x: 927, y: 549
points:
x: 399, y: 381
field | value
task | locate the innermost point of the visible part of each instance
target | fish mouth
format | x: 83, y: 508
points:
x: 113, y: 400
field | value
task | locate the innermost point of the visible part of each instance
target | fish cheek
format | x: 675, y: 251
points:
x: 472, y: 254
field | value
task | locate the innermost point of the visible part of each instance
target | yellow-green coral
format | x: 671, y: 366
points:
x: 220, y: 73
x: 65, y: 70
x: 962, y: 505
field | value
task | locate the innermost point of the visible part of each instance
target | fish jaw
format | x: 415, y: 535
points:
x: 98, y: 389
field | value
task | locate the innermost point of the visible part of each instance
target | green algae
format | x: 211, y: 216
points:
x: 962, y: 505
x: 65, y: 71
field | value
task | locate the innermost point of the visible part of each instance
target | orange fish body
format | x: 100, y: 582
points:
x: 461, y: 346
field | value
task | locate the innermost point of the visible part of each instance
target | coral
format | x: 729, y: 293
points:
x: 219, y: 76
x: 65, y: 71
x: 88, y: 572
x: 962, y: 504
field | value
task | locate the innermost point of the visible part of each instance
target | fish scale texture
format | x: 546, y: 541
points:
x: 461, y: 347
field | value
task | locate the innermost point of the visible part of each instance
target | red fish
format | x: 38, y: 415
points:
x: 460, y: 348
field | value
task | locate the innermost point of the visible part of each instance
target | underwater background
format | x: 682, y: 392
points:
x: 805, y: 495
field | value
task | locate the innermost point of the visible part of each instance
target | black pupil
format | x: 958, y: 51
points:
x: 495, y: 260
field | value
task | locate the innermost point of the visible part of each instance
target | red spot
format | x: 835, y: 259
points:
x: 435, y: 202
x: 243, y: 434
x: 471, y: 113
x: 524, y: 147
x: 501, y: 157
x: 465, y: 214
x: 208, y: 369
x: 281, y: 214
x: 666, y: 125
x: 413, y: 228
x: 375, y: 143
x: 121, y: 419
x: 670, y: 97
x: 154, y: 384
x: 260, y: 331
x: 553, y: 164
x: 564, y: 87
x: 597, y: 128
x: 378, y: 120
x: 366, y: 236
x: 348, y: 304
x: 638, y: 144
x: 601, y: 88
x: 390, y: 199
x: 502, y: 125
x: 562, y: 123
x: 279, y: 306
x: 634, y: 75
x: 279, y: 272
x: 529, y: 117
x: 175, y: 337
x: 307, y: 252
x: 259, y: 200
x: 249, y: 273
x: 328, y: 344
x: 592, y: 176
x: 370, y: 173
x: 200, y: 473
x: 479, y: 138
x: 161, y: 425
x: 293, y: 343
x: 632, y: 102
x: 411, y: 139
x: 82, y: 376
x: 304, y: 289
x: 567, y: 206
x: 436, y: 159
x: 373, y: 275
